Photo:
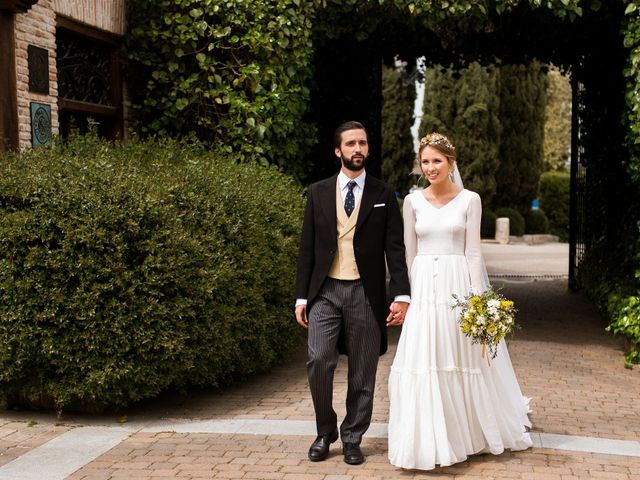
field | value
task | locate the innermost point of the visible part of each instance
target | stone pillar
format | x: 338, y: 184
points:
x: 502, y: 230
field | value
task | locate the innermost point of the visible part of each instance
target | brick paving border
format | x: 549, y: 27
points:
x: 199, y: 456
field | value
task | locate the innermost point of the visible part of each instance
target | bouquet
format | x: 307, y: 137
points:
x: 486, y: 318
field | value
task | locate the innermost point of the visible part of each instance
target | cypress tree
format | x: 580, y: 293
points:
x: 522, y: 114
x: 464, y: 105
x: 399, y: 93
x: 557, y: 126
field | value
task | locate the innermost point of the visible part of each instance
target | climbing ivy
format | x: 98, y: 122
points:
x: 237, y: 74
x: 233, y: 72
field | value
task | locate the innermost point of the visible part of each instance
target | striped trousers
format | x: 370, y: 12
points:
x: 341, y: 306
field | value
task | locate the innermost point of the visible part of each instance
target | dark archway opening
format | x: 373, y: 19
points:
x: 347, y: 85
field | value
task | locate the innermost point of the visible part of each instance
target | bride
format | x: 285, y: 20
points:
x: 446, y: 402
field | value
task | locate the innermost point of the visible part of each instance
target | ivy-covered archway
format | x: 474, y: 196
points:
x: 351, y: 41
x: 270, y: 79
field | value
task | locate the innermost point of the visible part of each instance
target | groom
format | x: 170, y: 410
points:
x: 351, y: 224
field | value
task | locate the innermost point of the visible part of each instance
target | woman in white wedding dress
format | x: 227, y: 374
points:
x: 446, y: 402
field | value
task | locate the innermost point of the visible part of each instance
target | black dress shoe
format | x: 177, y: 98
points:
x: 319, y: 449
x: 352, y: 453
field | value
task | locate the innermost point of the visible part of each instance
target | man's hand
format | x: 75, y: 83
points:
x: 301, y: 316
x: 397, y: 312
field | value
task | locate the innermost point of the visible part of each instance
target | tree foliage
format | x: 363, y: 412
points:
x: 522, y: 105
x: 554, y: 201
x: 464, y: 105
x: 557, y: 124
x: 398, y: 155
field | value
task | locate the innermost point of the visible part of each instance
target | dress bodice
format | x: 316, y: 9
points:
x: 440, y: 231
x: 453, y: 229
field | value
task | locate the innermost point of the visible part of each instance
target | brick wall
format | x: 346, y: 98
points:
x: 36, y: 27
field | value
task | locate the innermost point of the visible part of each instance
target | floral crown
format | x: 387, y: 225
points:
x: 438, y: 140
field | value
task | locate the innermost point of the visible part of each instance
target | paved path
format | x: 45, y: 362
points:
x: 586, y: 422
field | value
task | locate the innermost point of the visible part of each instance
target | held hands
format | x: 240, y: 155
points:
x: 301, y: 316
x: 397, y: 312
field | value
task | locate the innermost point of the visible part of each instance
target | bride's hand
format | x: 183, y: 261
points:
x: 397, y: 312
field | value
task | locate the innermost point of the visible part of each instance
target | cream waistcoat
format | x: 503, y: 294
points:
x: 344, y: 265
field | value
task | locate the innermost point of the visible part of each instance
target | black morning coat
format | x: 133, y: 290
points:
x: 379, y: 234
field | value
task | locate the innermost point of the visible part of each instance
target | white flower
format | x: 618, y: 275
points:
x: 493, y: 304
x: 480, y: 320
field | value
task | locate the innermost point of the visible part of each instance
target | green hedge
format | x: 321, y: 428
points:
x: 516, y: 220
x: 611, y: 279
x: 132, y: 268
x: 536, y: 222
x: 554, y: 201
x: 488, y: 224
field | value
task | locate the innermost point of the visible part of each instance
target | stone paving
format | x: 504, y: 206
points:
x: 573, y: 370
x: 200, y: 456
x: 19, y: 437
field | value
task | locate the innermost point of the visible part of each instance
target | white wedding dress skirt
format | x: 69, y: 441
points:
x: 446, y: 401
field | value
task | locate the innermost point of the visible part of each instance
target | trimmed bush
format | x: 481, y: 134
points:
x: 554, y: 200
x: 488, y: 224
x: 516, y: 220
x: 129, y: 269
x: 536, y: 222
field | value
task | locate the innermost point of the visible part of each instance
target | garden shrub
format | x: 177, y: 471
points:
x: 129, y: 269
x: 624, y: 312
x: 488, y: 224
x: 536, y: 222
x: 611, y: 278
x: 516, y: 220
x: 554, y: 201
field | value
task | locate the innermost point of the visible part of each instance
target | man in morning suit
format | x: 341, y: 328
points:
x: 352, y: 223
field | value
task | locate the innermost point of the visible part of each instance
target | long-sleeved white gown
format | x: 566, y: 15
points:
x: 446, y: 402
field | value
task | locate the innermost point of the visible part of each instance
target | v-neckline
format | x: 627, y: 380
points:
x: 442, y: 206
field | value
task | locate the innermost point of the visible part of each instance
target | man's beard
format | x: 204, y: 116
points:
x: 350, y: 165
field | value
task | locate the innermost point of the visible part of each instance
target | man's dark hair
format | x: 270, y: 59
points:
x: 337, y: 135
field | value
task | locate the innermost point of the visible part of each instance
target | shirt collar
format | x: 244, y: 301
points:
x: 343, y: 180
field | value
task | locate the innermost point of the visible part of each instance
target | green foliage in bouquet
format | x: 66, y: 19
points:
x: 129, y: 269
x: 486, y: 319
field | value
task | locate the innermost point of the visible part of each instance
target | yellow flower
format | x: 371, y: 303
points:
x: 506, y: 303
